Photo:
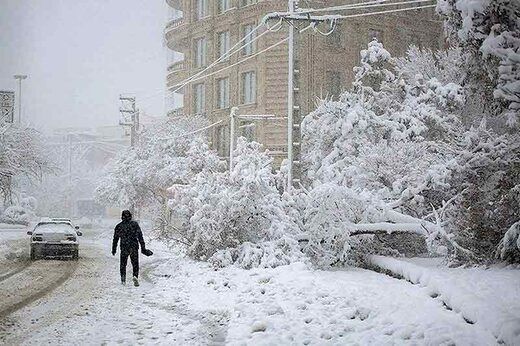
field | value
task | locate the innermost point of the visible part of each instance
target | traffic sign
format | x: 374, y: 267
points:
x: 7, y: 106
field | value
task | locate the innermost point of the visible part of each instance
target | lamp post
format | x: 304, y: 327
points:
x: 20, y: 78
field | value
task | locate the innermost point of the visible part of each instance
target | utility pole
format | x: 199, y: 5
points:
x: 130, y: 118
x: 20, y: 78
x: 294, y: 15
x: 71, y: 204
x: 290, y: 99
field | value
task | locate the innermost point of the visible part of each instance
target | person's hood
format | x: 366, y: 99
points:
x: 126, y: 215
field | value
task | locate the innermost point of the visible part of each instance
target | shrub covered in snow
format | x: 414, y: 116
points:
x: 237, y: 216
x: 15, y: 215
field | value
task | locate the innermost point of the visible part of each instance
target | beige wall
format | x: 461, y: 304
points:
x: 317, y: 57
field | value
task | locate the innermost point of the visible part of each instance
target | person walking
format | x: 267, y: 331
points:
x: 129, y: 232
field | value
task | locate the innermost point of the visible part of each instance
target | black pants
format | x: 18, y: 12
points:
x: 134, y: 258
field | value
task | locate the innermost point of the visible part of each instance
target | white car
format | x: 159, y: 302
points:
x: 55, y: 239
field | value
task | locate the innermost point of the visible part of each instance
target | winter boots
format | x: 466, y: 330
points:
x: 136, y: 281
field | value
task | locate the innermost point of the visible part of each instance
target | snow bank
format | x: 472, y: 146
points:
x: 295, y: 305
x: 488, y: 298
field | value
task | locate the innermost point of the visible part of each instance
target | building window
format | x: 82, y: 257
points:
x: 224, y: 43
x: 200, y: 52
x: 199, y: 101
x: 247, y: 2
x: 248, y: 87
x: 202, y: 8
x: 224, y: 5
x: 223, y: 93
x: 334, y: 83
x: 250, y: 35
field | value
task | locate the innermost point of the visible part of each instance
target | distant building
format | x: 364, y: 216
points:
x: 203, y: 30
x: 80, y: 151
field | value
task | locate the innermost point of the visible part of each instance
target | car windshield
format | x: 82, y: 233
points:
x: 53, y: 227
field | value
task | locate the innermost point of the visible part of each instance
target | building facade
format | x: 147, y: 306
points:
x: 255, y: 79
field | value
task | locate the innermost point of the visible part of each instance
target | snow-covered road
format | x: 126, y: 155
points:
x: 186, y: 302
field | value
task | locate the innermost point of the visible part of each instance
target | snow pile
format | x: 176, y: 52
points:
x: 266, y: 254
x: 487, y: 298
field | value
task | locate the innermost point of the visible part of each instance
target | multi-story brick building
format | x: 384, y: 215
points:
x: 203, y: 30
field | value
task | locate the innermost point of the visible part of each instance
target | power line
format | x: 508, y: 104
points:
x: 380, y: 3
x: 249, y: 57
x: 196, y: 131
x: 385, y: 12
x: 226, y: 55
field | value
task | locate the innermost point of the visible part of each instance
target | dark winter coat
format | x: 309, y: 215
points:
x: 130, y: 234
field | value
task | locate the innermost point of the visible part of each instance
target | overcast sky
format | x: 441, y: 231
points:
x: 80, y: 55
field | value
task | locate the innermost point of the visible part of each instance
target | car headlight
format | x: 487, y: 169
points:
x: 71, y: 237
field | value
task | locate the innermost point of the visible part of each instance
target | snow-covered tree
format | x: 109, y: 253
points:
x: 236, y: 216
x: 140, y: 175
x: 484, y: 186
x: 405, y: 137
x: 22, y: 155
x: 488, y: 31
x: 384, y: 147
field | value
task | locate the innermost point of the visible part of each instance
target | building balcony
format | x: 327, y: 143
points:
x: 175, y: 33
x: 177, y: 66
x: 176, y: 4
x: 177, y: 72
x: 174, y: 23
x: 176, y: 112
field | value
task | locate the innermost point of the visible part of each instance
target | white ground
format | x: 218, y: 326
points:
x: 185, y: 302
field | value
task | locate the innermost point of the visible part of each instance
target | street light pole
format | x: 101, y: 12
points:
x: 20, y: 78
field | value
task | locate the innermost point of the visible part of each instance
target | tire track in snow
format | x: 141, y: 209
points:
x: 16, y: 260
x: 14, y: 271
x: 30, y: 294
x: 71, y: 296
